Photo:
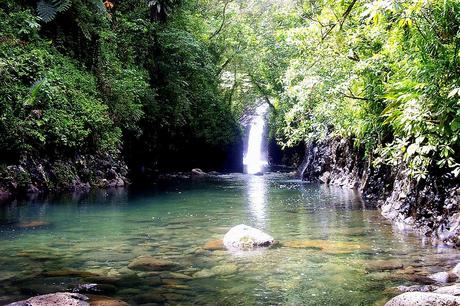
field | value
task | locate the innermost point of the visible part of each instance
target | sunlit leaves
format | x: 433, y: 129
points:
x: 454, y: 92
x: 399, y: 82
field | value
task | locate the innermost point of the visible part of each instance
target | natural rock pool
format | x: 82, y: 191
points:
x: 162, y: 245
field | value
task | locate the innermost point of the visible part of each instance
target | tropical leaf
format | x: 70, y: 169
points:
x: 34, y: 91
x: 47, y: 9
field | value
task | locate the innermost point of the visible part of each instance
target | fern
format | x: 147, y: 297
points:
x: 47, y: 9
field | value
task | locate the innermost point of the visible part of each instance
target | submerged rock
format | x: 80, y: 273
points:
x: 30, y: 288
x: 69, y: 273
x: 424, y: 299
x: 384, y: 265
x: 100, y: 300
x: 148, y: 263
x: 444, y: 277
x: 402, y: 276
x: 174, y: 275
x: 33, y: 224
x: 244, y: 237
x: 205, y: 273
x: 59, y: 298
x: 198, y: 172
x: 85, y: 288
x: 225, y: 269
x: 95, y: 288
x: 151, y: 297
x: 214, y: 245
x: 220, y: 270
x: 333, y: 247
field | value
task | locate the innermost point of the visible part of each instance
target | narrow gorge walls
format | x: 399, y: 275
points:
x: 431, y: 206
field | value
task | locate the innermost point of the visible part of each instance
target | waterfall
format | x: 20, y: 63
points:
x: 254, y: 158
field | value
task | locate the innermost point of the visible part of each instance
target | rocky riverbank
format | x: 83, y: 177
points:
x: 37, y: 175
x: 443, y: 290
x: 430, y: 206
x: 33, y: 177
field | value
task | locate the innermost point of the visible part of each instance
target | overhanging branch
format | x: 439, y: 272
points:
x: 223, y: 21
x: 262, y: 91
x: 341, y: 21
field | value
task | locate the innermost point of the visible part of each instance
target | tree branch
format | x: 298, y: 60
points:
x: 262, y: 92
x: 235, y: 84
x: 347, y: 12
x: 225, y: 64
x: 341, y: 21
x: 312, y: 19
x: 223, y: 21
x: 323, y: 36
x: 353, y: 96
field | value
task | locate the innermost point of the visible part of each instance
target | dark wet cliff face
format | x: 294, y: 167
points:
x: 333, y: 161
x: 431, y: 206
x: 287, y: 157
x: 33, y: 175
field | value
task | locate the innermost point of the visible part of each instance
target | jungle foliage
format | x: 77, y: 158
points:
x: 160, y: 77
x: 385, y: 73
x: 131, y: 76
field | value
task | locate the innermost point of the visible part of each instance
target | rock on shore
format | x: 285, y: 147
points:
x: 69, y: 299
x: 430, y: 295
x: 31, y: 175
x: 424, y: 299
x: 60, y: 298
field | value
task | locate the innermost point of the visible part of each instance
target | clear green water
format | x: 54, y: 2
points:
x: 333, y: 249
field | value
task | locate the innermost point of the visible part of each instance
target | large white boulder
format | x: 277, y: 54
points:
x: 59, y: 298
x: 424, y: 299
x: 244, y: 237
x: 452, y: 290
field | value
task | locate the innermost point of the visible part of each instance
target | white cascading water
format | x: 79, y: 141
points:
x: 254, y: 158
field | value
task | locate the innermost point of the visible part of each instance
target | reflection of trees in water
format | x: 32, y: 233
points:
x: 320, y: 211
x: 34, y: 206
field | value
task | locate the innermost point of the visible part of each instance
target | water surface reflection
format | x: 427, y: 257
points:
x: 329, y: 242
x: 257, y: 194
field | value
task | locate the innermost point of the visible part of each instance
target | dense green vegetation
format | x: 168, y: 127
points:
x: 385, y: 73
x: 132, y: 76
x: 155, y: 79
